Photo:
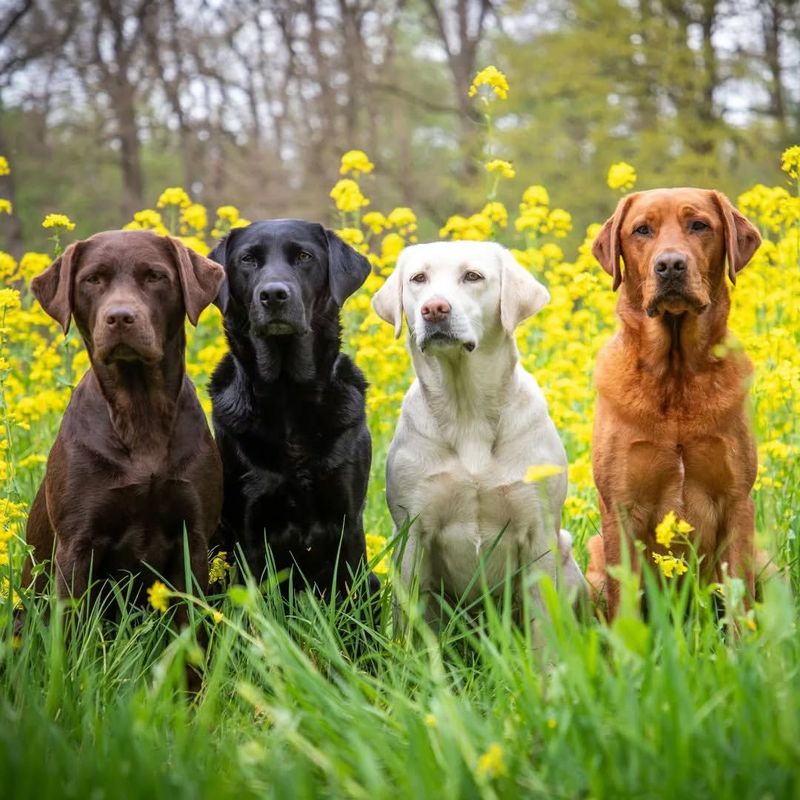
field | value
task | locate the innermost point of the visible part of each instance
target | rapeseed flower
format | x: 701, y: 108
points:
x: 58, y: 221
x: 493, y: 79
x: 502, y: 168
x: 492, y: 764
x: 670, y: 528
x: 621, y: 176
x: 173, y: 196
x: 670, y: 565
x: 6, y: 206
x: 347, y: 196
x: 357, y: 162
x: 158, y: 595
x: 790, y: 161
x: 5, y: 169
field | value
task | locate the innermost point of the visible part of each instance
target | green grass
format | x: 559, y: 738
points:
x: 305, y: 701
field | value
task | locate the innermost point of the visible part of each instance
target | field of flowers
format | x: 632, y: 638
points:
x: 292, y: 706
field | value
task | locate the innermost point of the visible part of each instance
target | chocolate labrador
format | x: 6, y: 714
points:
x: 288, y: 406
x: 671, y: 429
x: 134, y: 464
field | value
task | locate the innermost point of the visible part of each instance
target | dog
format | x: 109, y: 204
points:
x: 671, y: 432
x: 471, y: 425
x: 288, y: 407
x: 133, y: 465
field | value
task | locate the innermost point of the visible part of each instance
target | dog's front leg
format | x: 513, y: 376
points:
x: 737, y: 543
x: 73, y: 560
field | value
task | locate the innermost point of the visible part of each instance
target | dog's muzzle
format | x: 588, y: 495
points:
x: 122, y: 332
x: 277, y: 311
x: 671, y: 270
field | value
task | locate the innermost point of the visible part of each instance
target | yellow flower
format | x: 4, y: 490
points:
x: 670, y: 527
x: 559, y: 222
x: 31, y: 264
x: 535, y: 195
x: 353, y: 236
x: 621, y: 176
x: 538, y: 472
x: 497, y: 213
x: 8, y: 266
x: 391, y: 246
x: 790, y: 161
x: 58, y: 221
x: 6, y: 206
x: 505, y: 168
x: 375, y: 221
x: 375, y: 544
x: 159, y: 595
x: 402, y: 217
x: 492, y: 78
x: 217, y: 616
x: 431, y: 721
x: 219, y: 567
x: 194, y: 216
x: 355, y: 161
x: 4, y: 168
x: 173, y: 196
x: 228, y: 213
x: 670, y: 565
x: 491, y: 764
x: 347, y: 196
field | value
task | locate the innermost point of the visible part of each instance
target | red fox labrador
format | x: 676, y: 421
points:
x: 671, y: 432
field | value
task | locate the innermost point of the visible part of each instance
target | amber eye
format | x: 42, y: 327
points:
x: 643, y: 230
x: 699, y: 225
x: 304, y: 256
x: 420, y: 277
x: 472, y: 276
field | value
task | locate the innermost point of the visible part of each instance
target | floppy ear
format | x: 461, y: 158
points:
x: 218, y: 255
x: 521, y: 295
x: 388, y: 300
x: 347, y: 269
x: 606, y: 247
x: 742, y: 239
x: 54, y: 287
x: 200, y: 278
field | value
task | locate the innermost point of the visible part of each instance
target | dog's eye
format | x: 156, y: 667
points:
x: 420, y: 277
x: 304, y: 256
x: 643, y: 230
x: 247, y: 258
x: 94, y: 279
x: 472, y: 276
x: 699, y: 225
x: 153, y: 276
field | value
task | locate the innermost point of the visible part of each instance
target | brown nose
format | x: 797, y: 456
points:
x: 435, y: 310
x: 120, y: 316
x: 670, y: 265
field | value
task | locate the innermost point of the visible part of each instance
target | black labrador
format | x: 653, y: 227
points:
x: 288, y: 406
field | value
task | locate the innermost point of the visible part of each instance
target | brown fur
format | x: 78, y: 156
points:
x: 134, y: 461
x: 671, y: 432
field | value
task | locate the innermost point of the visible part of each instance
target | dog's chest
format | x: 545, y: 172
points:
x: 480, y: 515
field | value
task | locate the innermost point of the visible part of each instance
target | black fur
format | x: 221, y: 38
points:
x: 288, y: 406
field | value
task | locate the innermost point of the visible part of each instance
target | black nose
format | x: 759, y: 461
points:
x: 120, y: 316
x: 670, y: 265
x: 273, y: 294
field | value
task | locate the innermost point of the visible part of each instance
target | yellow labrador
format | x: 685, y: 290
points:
x: 471, y: 425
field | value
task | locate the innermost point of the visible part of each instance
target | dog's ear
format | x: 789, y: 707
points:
x: 606, y: 246
x: 521, y: 295
x: 742, y: 239
x: 388, y: 300
x: 347, y: 268
x: 218, y: 255
x: 54, y: 288
x: 200, y: 278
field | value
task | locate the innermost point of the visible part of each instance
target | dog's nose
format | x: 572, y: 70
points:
x: 120, y: 316
x: 435, y: 310
x: 670, y: 265
x: 273, y: 294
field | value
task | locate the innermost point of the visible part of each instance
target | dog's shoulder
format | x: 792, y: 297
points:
x: 231, y: 393
x: 346, y: 372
